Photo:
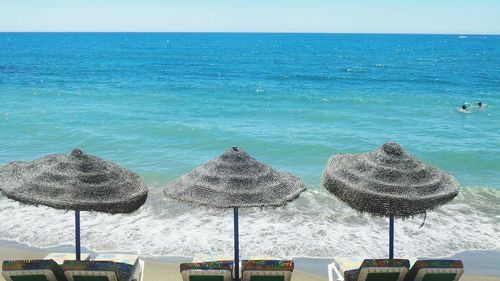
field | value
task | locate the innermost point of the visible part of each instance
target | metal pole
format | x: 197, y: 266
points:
x: 391, y: 236
x: 77, y: 234
x: 236, y: 246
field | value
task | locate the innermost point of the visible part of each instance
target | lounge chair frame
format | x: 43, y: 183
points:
x: 247, y: 274
x: 424, y: 271
x: 109, y: 274
x: 47, y: 272
x: 333, y: 269
x: 365, y: 271
x: 228, y: 276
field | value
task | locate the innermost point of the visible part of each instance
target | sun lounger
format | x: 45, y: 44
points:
x: 32, y: 270
x: 133, y: 260
x: 105, y: 268
x: 46, y: 269
x: 207, y: 271
x: 435, y: 270
x: 356, y: 269
x: 266, y: 270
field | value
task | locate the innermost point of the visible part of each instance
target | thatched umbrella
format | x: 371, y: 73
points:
x: 73, y: 181
x: 235, y: 180
x: 388, y: 182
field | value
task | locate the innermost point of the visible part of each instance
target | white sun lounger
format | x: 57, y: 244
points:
x: 114, y: 267
x: 47, y: 268
x: 357, y: 269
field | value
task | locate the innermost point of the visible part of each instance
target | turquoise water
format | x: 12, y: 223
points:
x: 162, y: 104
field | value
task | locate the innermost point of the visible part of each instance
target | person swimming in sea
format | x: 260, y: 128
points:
x: 463, y: 109
x: 481, y: 105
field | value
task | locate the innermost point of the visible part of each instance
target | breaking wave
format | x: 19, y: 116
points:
x: 315, y: 225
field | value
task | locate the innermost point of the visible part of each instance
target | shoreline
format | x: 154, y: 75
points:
x: 479, y: 265
x: 471, y: 219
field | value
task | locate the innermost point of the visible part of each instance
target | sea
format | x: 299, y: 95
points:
x: 161, y: 104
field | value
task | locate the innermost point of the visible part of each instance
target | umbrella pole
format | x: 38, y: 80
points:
x: 236, y: 246
x: 77, y: 234
x: 391, y: 237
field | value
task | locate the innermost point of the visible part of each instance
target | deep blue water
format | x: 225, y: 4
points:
x: 163, y: 103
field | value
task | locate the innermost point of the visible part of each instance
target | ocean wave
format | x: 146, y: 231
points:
x: 315, y: 225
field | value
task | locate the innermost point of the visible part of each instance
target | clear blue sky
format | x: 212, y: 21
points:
x: 386, y: 16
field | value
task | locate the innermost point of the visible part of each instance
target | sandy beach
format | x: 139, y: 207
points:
x: 159, y: 270
x: 154, y: 270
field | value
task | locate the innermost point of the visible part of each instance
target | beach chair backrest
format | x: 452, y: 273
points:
x: 436, y: 270
x: 97, y: 271
x: 266, y: 270
x: 383, y: 270
x: 32, y: 270
x: 207, y: 271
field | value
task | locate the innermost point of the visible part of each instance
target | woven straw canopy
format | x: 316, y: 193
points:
x: 388, y: 181
x: 73, y: 181
x: 235, y: 179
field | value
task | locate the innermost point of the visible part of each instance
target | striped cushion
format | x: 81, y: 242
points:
x: 277, y: 265
x: 385, y: 263
x: 34, y: 265
x: 352, y: 275
x: 211, y: 265
x: 421, y: 264
x: 122, y: 271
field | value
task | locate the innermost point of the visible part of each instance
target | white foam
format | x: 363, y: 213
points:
x: 316, y: 225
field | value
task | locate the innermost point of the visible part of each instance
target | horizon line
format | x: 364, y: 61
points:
x: 264, y: 32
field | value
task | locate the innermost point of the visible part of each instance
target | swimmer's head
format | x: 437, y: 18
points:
x: 464, y: 107
x: 479, y: 104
